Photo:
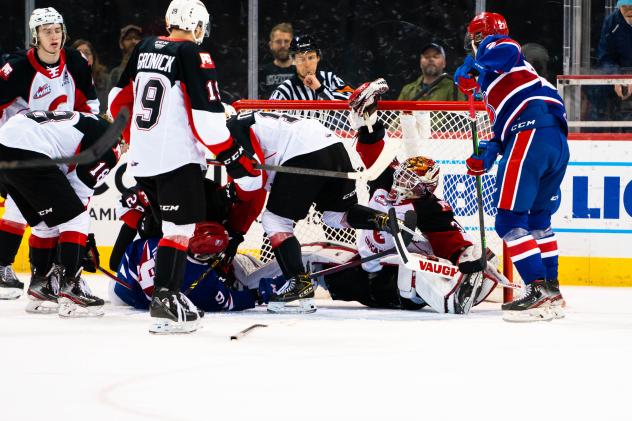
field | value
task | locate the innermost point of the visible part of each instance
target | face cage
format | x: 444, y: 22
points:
x: 409, y: 186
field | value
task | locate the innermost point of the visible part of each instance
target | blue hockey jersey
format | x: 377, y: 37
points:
x: 509, y: 83
x: 211, y: 294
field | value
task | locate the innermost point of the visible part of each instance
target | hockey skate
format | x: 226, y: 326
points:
x: 10, y: 286
x: 76, y: 299
x: 301, y: 289
x: 43, y: 292
x: 557, y: 301
x: 533, y: 306
x: 173, y: 312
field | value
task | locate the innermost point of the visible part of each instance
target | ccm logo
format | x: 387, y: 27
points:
x: 438, y: 268
x: 168, y: 208
x: 522, y: 125
x: 45, y: 212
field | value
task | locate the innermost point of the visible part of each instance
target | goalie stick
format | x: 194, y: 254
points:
x: 389, y: 153
x: 91, y: 154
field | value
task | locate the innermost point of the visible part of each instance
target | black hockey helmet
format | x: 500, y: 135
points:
x: 303, y: 44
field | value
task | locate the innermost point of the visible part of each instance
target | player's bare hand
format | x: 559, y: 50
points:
x: 312, y: 82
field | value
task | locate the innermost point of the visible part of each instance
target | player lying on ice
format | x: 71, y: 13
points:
x: 213, y: 269
x: 54, y: 201
x: 530, y: 129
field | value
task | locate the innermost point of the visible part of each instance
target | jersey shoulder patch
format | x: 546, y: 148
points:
x: 206, y: 62
x: 6, y: 71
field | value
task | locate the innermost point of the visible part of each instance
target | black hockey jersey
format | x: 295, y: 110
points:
x: 28, y: 84
x: 171, y: 87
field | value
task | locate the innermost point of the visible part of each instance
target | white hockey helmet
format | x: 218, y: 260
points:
x: 186, y: 15
x: 414, y: 178
x: 45, y: 16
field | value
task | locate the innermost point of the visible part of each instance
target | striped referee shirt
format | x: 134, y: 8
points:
x: 331, y: 87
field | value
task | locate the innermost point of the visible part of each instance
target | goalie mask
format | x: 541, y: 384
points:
x: 414, y: 178
x: 485, y: 24
x: 187, y: 15
x: 209, y: 240
x: 45, y: 16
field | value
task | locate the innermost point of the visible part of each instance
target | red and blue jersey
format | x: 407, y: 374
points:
x: 509, y: 83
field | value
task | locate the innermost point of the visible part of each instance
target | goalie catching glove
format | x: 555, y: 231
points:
x: 238, y: 164
x: 363, y: 103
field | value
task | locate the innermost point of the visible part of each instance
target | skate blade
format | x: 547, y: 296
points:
x: 538, y: 314
x: 69, y: 309
x: 305, y: 306
x: 169, y: 327
x: 558, y: 311
x: 41, y: 307
x: 10, y: 293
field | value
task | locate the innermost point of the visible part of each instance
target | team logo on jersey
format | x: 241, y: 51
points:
x: 42, y: 91
x: 206, y: 61
x: 6, y: 71
x: 53, y: 71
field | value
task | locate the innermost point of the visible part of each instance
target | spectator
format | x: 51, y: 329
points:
x: 433, y: 84
x: 614, y: 55
x: 281, y: 68
x: 130, y: 36
x: 100, y: 75
x: 309, y: 83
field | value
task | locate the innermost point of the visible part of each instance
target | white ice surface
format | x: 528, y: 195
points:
x: 344, y: 362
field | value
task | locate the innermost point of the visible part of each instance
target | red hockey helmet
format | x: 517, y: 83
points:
x: 487, y: 23
x: 209, y: 240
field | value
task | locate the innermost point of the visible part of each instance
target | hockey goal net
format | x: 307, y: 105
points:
x: 441, y: 132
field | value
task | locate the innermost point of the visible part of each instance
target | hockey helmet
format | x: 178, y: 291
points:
x: 45, y: 16
x: 414, y: 178
x: 486, y: 23
x: 303, y: 44
x: 187, y: 15
x: 209, y: 239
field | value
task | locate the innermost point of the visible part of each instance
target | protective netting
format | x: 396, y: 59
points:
x: 431, y: 131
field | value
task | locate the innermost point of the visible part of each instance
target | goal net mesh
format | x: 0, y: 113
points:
x: 441, y: 131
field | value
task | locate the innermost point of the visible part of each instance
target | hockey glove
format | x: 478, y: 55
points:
x: 235, y: 239
x: 91, y: 258
x: 135, y: 198
x: 483, y: 162
x: 237, y: 163
x: 268, y: 287
x: 464, y: 77
x: 470, y: 260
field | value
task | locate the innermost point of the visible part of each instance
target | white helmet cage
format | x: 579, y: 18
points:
x: 414, y: 178
x: 187, y: 15
x: 45, y: 16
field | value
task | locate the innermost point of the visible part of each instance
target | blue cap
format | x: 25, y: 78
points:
x: 624, y: 3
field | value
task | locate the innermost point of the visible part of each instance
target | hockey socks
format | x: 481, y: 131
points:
x: 547, y: 243
x: 288, y: 255
x: 10, y: 238
x: 171, y: 262
x: 41, y: 252
x: 72, y: 248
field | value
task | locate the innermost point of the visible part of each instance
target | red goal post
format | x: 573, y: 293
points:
x: 439, y: 130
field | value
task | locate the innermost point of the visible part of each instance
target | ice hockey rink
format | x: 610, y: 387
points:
x: 343, y: 362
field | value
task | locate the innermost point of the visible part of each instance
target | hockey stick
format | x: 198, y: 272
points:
x: 428, y: 88
x: 383, y: 161
x: 351, y: 264
x: 479, y: 183
x: 91, y: 154
x: 114, y: 277
x: 244, y: 332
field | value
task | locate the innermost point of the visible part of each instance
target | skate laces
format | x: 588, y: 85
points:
x: 8, y: 274
x: 183, y: 304
x: 189, y: 304
x: 85, y: 289
x: 287, y: 286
